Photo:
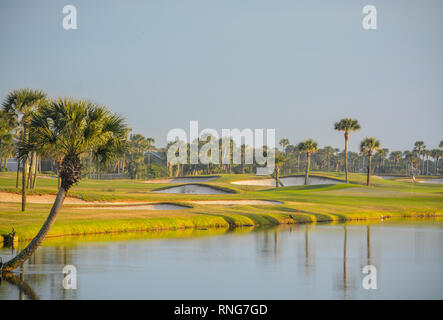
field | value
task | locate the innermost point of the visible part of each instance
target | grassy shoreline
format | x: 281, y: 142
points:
x: 300, y: 204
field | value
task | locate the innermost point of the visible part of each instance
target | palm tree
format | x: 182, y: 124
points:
x: 368, y: 146
x: 426, y: 153
x: 309, y: 146
x: 419, y: 147
x: 284, y: 143
x: 8, y: 123
x: 347, y: 125
x: 22, y: 103
x: 74, y: 127
x: 382, y: 153
x: 329, y: 152
x: 278, y: 162
x: 396, y: 157
x: 150, y: 143
x: 435, y: 154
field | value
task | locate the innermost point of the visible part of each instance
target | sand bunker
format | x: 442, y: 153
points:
x: 182, y: 180
x: 156, y: 206
x: 192, y: 189
x: 31, y: 198
x: 387, y: 177
x: 431, y: 181
x: 234, y: 202
x: 288, y: 181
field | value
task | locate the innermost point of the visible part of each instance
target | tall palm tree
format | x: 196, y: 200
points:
x: 309, y: 146
x: 278, y: 163
x: 150, y: 143
x: 426, y: 154
x: 419, y: 147
x: 347, y: 125
x: 368, y: 146
x: 74, y: 127
x: 435, y: 154
x: 22, y: 103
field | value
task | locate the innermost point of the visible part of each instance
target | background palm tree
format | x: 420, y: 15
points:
x: 382, y: 154
x: 22, y: 103
x: 150, y: 144
x: 347, y: 125
x: 329, y: 152
x: 284, y: 143
x: 74, y: 127
x: 368, y: 146
x: 396, y: 157
x: 436, y: 154
x: 419, y: 147
x: 279, y: 161
x: 309, y: 146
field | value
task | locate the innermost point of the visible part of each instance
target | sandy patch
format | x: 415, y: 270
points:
x: 257, y: 182
x: 32, y: 198
x: 431, y: 181
x: 387, y: 177
x: 182, y: 180
x: 287, y: 181
x: 157, y: 206
x: 192, y: 189
x: 233, y: 202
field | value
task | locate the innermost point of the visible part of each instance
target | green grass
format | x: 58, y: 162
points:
x: 301, y: 204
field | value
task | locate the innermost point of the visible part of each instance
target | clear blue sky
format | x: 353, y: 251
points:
x: 296, y: 66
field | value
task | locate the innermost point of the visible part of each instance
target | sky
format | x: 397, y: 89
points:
x: 296, y: 66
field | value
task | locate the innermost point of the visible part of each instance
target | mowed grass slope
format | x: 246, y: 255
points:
x: 301, y: 204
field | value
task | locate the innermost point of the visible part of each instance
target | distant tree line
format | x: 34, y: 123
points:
x: 140, y: 158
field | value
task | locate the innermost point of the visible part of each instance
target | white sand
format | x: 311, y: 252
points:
x: 287, y: 181
x: 31, y: 198
x: 431, y: 181
x: 182, y: 180
x: 192, y: 189
x: 233, y: 202
x: 158, y: 206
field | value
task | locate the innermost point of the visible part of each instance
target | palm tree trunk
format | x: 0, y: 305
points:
x: 369, y: 170
x: 25, y: 169
x: 346, y: 155
x: 35, y: 171
x: 308, y: 166
x: 277, y: 177
x: 298, y: 162
x: 35, y: 243
x: 31, y: 168
x: 18, y: 172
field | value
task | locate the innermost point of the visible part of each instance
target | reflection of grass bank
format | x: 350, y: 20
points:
x: 301, y: 204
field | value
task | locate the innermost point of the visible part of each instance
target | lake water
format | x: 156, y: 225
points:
x: 322, y: 261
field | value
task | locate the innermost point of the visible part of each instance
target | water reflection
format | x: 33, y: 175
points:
x: 287, y: 262
x: 20, y: 283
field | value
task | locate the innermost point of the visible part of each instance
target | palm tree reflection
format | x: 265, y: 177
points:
x: 24, y: 288
x: 345, y: 263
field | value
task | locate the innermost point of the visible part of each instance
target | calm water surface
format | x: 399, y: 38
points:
x: 299, y: 262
